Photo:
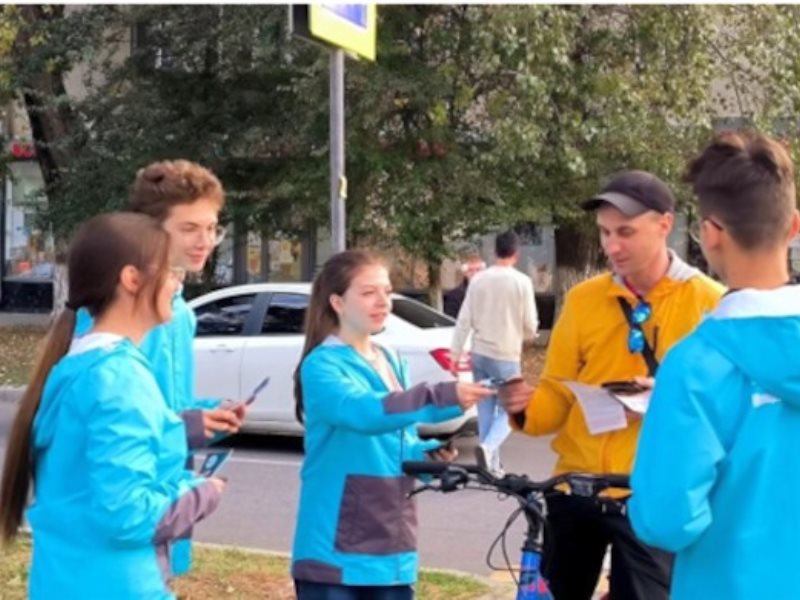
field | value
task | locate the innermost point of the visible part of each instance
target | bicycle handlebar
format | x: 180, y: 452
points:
x: 453, y: 476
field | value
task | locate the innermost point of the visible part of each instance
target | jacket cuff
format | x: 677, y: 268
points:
x: 188, y: 509
x: 440, y: 395
x: 517, y: 421
x: 195, y: 430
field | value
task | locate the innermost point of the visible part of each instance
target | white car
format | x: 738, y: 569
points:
x: 248, y: 332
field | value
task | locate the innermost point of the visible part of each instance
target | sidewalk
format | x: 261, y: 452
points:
x: 503, y: 585
x: 10, y: 319
x: 11, y: 393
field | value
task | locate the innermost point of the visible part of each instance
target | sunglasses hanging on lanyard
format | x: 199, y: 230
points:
x: 637, y: 341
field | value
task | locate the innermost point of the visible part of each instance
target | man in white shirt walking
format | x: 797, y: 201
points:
x: 500, y: 312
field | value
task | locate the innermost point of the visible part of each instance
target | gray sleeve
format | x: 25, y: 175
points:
x: 421, y: 395
x: 195, y: 430
x: 191, y: 507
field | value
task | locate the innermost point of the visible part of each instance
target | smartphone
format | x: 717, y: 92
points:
x: 625, y: 388
x: 213, y: 462
x: 258, y: 389
x: 496, y: 383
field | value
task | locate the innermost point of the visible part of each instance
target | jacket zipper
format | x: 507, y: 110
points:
x: 402, y: 456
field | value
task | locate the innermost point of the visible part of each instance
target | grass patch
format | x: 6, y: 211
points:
x: 17, y: 351
x: 236, y: 575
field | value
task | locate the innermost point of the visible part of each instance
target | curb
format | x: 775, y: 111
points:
x: 11, y: 393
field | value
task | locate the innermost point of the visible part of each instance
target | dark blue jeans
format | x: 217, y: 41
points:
x: 308, y: 590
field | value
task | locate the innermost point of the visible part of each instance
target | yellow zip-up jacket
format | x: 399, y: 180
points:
x: 589, y: 344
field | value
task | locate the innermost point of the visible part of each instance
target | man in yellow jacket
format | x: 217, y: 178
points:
x: 615, y: 326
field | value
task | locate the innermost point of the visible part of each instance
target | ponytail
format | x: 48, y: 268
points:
x: 18, y: 470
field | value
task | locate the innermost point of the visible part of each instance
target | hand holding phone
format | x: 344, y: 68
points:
x: 252, y: 397
x: 213, y: 461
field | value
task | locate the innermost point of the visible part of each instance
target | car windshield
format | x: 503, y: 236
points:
x: 419, y: 314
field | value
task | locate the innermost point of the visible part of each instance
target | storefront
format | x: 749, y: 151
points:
x: 27, y: 251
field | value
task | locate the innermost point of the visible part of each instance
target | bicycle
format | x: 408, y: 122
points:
x: 531, y: 496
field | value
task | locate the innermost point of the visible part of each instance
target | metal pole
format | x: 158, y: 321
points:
x: 338, y: 181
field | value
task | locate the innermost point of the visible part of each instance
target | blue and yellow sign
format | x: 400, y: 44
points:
x: 351, y: 27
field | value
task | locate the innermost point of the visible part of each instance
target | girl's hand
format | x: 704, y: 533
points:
x: 444, y: 453
x: 219, y: 484
x: 469, y: 394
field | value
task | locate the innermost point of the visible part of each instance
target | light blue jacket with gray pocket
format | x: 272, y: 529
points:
x: 356, y: 524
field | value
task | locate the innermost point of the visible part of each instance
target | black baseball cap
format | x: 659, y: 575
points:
x: 634, y: 193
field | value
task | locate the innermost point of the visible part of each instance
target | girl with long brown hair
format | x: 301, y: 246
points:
x: 356, y: 527
x: 93, y: 437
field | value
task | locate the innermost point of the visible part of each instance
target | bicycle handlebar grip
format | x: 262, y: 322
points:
x: 415, y: 468
x: 618, y: 481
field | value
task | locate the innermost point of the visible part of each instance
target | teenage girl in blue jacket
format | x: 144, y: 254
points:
x: 93, y: 433
x: 356, y: 528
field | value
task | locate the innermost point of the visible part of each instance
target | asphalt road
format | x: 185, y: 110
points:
x: 455, y: 530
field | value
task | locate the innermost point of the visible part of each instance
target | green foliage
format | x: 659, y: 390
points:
x: 472, y: 118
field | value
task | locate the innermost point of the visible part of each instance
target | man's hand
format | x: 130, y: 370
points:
x: 220, y: 420
x: 645, y: 382
x: 515, y: 396
x: 648, y: 383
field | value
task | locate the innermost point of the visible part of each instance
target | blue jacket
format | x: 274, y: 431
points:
x: 111, y: 491
x: 169, y: 349
x: 355, y: 524
x: 717, y: 475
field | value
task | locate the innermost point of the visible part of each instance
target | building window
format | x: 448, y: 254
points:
x: 29, y: 252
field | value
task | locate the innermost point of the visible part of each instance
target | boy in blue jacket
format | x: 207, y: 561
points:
x: 186, y: 199
x: 716, y: 479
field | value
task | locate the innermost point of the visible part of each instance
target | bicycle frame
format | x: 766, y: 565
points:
x: 531, y: 496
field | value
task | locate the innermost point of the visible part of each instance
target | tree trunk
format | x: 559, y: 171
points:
x: 435, y: 268
x: 239, y: 249
x: 266, y: 259
x: 435, y: 285
x: 52, y: 123
x: 578, y: 255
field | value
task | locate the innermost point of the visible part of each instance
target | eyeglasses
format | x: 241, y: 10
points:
x: 696, y: 227
x: 639, y: 315
x: 217, y: 234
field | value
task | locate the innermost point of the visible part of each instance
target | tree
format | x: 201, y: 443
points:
x: 42, y: 44
x: 473, y: 117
